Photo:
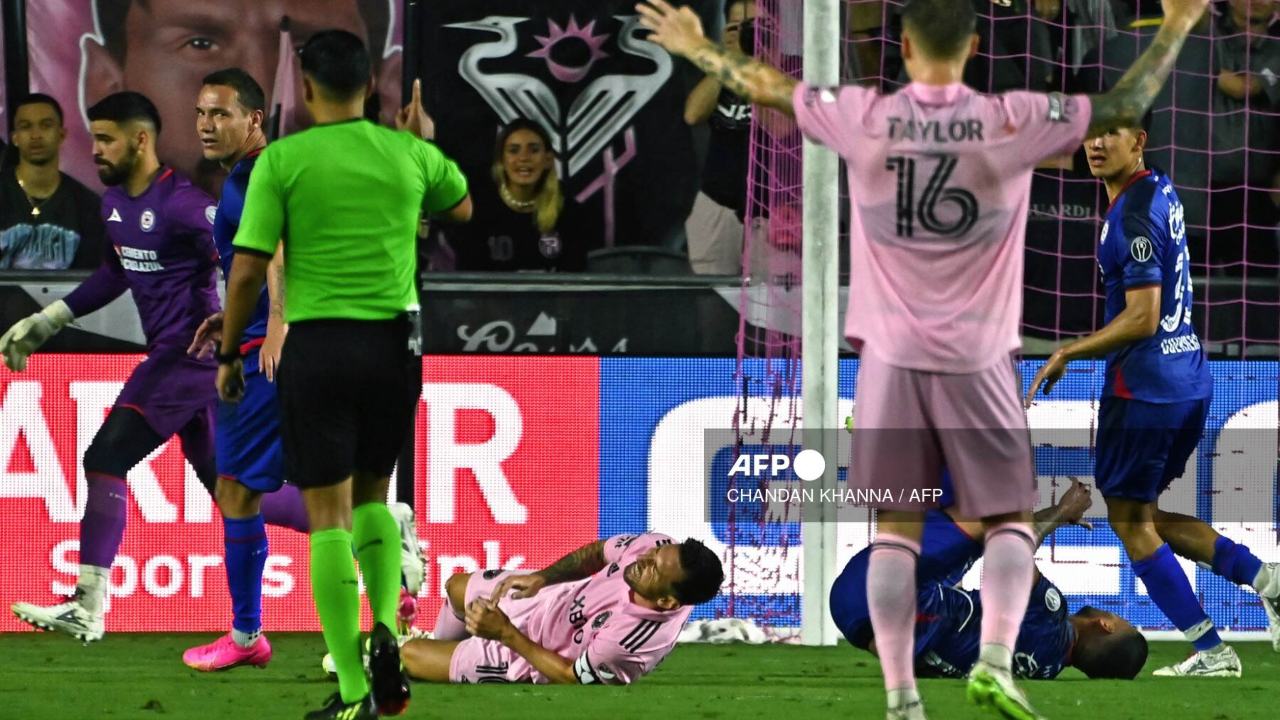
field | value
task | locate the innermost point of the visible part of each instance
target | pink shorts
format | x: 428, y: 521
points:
x: 911, y: 425
x: 477, y: 660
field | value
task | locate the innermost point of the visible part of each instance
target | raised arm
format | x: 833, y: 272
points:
x: 1129, y: 100
x: 680, y: 32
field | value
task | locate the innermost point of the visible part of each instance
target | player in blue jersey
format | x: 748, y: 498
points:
x: 250, y: 487
x: 159, y: 225
x: 948, y: 617
x: 1155, y: 398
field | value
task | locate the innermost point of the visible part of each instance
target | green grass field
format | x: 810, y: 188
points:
x: 141, y: 676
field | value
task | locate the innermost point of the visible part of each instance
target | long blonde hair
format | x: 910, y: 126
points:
x: 549, y: 201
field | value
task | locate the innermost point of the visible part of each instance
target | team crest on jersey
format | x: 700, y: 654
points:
x: 147, y: 221
x: 600, y: 620
x: 210, y: 213
x: 1140, y: 249
x: 1052, y: 599
x: 491, y: 574
x: 1105, y: 226
x: 814, y: 95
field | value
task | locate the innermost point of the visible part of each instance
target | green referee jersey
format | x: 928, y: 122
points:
x: 346, y: 198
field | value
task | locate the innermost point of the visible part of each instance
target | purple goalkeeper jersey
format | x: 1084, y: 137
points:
x: 161, y: 248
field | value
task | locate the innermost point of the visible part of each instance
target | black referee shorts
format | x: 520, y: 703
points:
x: 348, y: 392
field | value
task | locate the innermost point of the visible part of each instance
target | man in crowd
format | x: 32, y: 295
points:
x: 48, y: 220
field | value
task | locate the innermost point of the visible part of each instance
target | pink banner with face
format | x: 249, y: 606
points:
x: 83, y: 50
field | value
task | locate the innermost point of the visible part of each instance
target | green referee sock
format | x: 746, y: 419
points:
x: 337, y: 597
x: 377, y: 538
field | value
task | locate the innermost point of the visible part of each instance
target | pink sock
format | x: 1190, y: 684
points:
x: 449, y: 626
x: 1008, y: 566
x: 891, y: 597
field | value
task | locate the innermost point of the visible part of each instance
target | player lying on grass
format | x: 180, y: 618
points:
x: 1100, y: 644
x: 607, y: 613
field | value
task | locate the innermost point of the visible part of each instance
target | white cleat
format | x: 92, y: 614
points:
x: 1270, y: 596
x: 69, y: 617
x: 1223, y: 663
x: 411, y: 564
x: 910, y: 711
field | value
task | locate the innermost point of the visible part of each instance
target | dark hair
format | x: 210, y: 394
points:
x: 35, y: 99
x: 338, y: 61
x: 127, y: 106
x: 703, y: 574
x: 942, y: 28
x: 1118, y: 656
x: 248, y: 92
x: 112, y: 15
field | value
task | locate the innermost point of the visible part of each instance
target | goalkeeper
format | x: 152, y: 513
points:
x: 1098, y: 643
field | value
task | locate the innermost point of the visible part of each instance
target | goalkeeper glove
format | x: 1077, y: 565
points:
x: 31, y: 332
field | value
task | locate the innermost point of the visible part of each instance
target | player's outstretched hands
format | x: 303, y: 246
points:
x: 519, y: 587
x: 29, y: 333
x: 486, y: 620
x: 679, y: 30
x: 1049, y: 375
x: 414, y: 118
x: 1075, y: 502
x: 207, y: 338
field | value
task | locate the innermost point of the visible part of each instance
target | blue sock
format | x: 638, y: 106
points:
x: 1171, y: 592
x: 1235, y: 562
x: 245, y: 540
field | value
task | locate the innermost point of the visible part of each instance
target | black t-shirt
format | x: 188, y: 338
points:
x: 724, y: 178
x: 500, y: 239
x: 67, y: 233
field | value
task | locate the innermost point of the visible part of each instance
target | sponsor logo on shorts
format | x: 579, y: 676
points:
x: 1052, y: 599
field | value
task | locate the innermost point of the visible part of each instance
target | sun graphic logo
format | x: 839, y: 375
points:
x: 557, y: 35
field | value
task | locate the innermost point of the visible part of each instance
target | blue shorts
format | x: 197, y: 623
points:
x: 248, y: 442
x: 1142, y: 447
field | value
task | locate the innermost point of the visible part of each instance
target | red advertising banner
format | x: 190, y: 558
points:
x: 507, y: 477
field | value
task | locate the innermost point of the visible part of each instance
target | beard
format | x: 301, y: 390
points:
x: 112, y: 174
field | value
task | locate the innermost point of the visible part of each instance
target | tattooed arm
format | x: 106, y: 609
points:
x: 680, y: 32
x: 1129, y: 100
x: 581, y: 563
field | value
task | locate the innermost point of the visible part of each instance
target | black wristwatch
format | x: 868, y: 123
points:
x: 229, y: 358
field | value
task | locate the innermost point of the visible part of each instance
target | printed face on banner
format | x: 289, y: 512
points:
x: 163, y: 48
x: 507, y: 478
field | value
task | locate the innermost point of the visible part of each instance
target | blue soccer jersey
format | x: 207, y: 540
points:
x: 1144, y: 243
x: 225, y: 224
x: 949, y: 629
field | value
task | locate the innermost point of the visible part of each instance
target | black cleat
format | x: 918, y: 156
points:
x: 387, y: 676
x: 335, y: 709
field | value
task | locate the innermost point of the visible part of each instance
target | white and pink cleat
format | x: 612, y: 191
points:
x: 224, y: 654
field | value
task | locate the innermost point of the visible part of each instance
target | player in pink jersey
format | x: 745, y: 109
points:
x: 606, y: 613
x: 940, y: 179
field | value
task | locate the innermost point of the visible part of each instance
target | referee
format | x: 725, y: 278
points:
x: 345, y: 197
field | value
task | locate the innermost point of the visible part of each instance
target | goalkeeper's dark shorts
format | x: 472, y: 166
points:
x: 348, y: 393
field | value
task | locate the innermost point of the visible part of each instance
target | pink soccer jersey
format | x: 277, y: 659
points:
x: 594, y: 622
x: 939, y: 179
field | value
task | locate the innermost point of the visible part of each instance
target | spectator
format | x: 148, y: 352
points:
x: 715, y: 227
x: 48, y: 221
x: 519, y: 222
x: 1246, y: 136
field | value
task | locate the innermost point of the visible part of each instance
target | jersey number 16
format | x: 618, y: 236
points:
x: 924, y: 209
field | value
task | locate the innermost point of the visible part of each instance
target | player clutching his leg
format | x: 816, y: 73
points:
x: 607, y: 613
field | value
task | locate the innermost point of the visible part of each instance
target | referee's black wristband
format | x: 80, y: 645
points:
x: 228, y: 358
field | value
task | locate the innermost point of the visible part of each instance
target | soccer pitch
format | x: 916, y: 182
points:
x: 141, y: 676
